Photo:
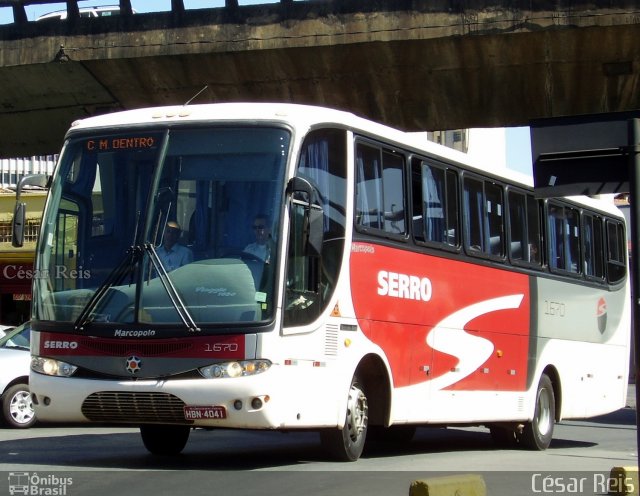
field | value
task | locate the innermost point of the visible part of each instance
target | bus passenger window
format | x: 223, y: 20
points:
x: 616, y: 247
x: 564, y: 238
x: 533, y: 230
x: 517, y: 227
x: 495, y: 219
x: 573, y: 239
x: 474, y: 215
x: 380, y: 194
x: 433, y: 213
x: 369, y: 208
x: 484, y: 222
x: 393, y: 189
x: 435, y: 209
x: 593, y: 247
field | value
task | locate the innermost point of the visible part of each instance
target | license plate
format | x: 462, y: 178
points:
x: 205, y: 412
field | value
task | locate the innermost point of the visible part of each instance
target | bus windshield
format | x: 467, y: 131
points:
x: 167, y: 226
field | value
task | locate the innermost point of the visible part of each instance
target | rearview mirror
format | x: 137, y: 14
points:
x: 17, y: 224
x: 20, y: 210
x: 313, y: 231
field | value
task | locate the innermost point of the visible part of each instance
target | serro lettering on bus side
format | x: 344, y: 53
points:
x: 410, y: 287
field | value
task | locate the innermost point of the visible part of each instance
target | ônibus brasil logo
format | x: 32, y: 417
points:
x: 41, y: 485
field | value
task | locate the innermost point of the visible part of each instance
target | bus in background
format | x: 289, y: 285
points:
x: 397, y: 285
x: 105, y: 11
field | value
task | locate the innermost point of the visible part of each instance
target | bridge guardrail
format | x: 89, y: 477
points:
x: 73, y: 10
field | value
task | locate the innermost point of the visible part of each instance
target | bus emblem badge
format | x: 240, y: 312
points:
x: 134, y: 364
x: 602, y: 315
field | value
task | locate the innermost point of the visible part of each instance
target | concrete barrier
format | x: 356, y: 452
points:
x: 450, y: 485
x: 624, y: 480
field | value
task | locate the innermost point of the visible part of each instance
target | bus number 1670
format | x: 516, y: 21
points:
x: 218, y: 347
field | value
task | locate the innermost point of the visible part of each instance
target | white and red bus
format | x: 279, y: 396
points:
x: 394, y: 284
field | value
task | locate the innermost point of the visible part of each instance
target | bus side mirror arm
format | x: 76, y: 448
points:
x: 20, y: 210
x: 313, y: 223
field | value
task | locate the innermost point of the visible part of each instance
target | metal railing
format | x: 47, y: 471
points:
x: 31, y: 230
x: 14, y: 169
x: 73, y: 10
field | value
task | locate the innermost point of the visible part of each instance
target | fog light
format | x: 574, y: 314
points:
x: 256, y: 403
x: 237, y: 404
x: 47, y: 400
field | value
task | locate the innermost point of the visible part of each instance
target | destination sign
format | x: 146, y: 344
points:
x: 121, y: 143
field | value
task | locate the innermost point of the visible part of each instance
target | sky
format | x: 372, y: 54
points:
x: 34, y: 11
x: 518, y: 144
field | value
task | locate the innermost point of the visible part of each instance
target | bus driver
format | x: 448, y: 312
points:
x: 172, y: 254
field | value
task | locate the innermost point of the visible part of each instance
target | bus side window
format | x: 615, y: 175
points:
x: 435, y: 204
x: 380, y: 194
x: 369, y: 209
x: 484, y: 225
x: 533, y: 230
x: 433, y: 212
x: 593, y: 248
x: 517, y: 226
x: 564, y: 238
x: 616, y: 247
x: 474, y: 213
x: 495, y: 218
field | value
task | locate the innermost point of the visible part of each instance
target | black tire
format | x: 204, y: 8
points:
x: 165, y: 439
x: 538, y: 433
x: 17, y: 408
x: 347, y: 444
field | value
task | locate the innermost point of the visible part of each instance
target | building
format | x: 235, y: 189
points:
x: 16, y: 264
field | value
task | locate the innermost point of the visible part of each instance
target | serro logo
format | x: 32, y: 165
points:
x: 405, y: 286
x: 60, y: 345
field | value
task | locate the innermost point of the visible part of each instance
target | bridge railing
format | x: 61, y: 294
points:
x: 73, y: 11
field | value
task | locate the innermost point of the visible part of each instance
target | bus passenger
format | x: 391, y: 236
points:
x: 172, y: 254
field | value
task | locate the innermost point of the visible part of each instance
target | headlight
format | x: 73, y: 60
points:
x: 235, y: 369
x: 49, y: 366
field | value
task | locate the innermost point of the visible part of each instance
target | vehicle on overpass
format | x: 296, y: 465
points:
x: 273, y: 266
x: 105, y: 11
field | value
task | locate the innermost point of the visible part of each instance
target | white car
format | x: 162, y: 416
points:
x: 84, y: 12
x: 15, y: 362
x: 4, y: 329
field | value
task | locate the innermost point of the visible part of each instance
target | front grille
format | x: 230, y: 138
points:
x: 112, y: 406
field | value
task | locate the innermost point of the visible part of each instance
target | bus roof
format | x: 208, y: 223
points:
x: 304, y: 117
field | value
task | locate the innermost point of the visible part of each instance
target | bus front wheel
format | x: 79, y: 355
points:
x: 164, y: 439
x: 346, y: 444
x: 537, y: 434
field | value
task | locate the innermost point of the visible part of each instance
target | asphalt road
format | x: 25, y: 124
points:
x: 100, y: 461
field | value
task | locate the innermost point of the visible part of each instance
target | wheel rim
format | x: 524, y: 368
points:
x: 544, y: 420
x: 358, y: 413
x: 21, y: 408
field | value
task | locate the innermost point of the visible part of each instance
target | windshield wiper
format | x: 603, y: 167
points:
x: 126, y: 266
x: 176, y: 301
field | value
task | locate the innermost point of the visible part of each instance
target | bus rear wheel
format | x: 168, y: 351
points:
x: 347, y: 444
x: 538, y: 433
x: 165, y: 439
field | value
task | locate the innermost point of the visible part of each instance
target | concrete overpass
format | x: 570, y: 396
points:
x: 414, y: 64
